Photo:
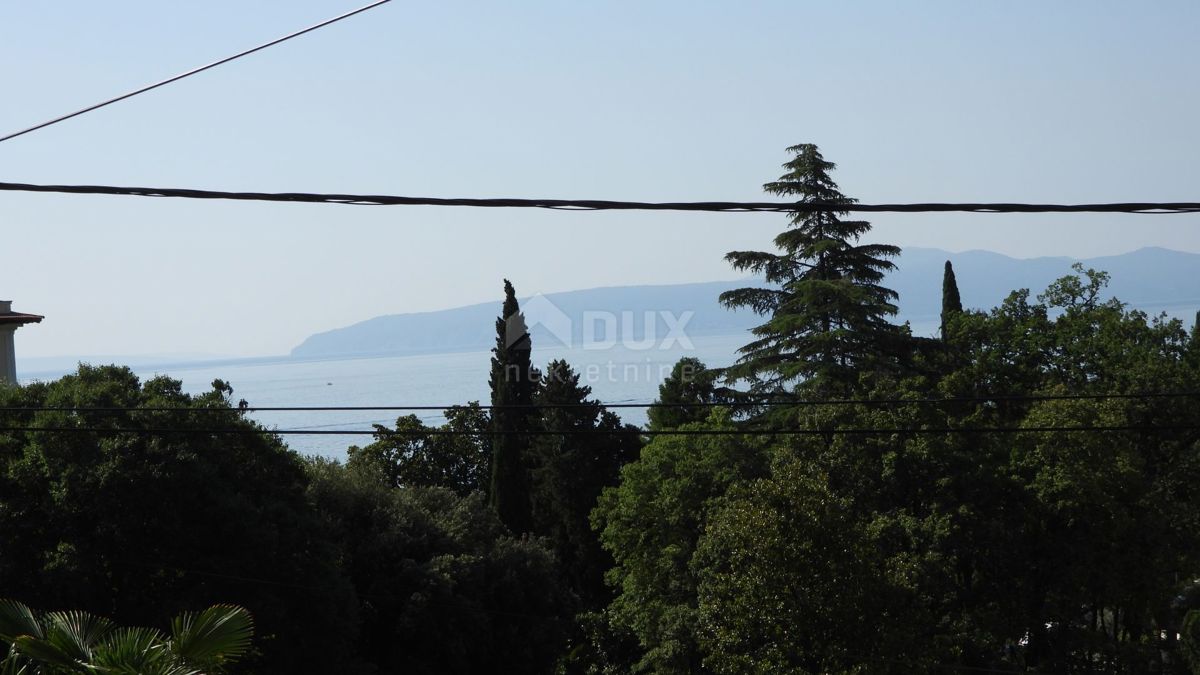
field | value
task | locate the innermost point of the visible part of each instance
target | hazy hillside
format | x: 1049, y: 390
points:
x: 473, y: 327
x: 1149, y: 278
x: 1152, y: 279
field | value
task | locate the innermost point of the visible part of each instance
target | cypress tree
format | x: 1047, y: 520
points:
x: 827, y: 312
x: 513, y: 381
x: 951, y: 301
x: 1195, y: 342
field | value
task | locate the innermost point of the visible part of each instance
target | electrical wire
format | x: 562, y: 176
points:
x: 883, y: 431
x: 610, y: 205
x: 191, y: 72
x: 1001, y: 398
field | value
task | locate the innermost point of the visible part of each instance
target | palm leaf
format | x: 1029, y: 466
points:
x: 217, y: 634
x: 76, y: 632
x: 15, y: 664
x: 16, y: 619
x: 47, y: 652
x: 133, y: 650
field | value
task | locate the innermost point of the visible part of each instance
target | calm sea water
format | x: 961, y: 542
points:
x: 617, y: 374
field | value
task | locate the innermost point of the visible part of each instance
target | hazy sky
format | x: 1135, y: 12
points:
x: 954, y: 101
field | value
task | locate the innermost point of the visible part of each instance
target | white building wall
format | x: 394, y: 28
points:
x: 8, y: 355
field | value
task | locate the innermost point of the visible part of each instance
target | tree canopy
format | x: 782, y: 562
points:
x: 106, y: 516
x: 444, y: 587
x: 685, y: 395
x: 455, y: 455
x: 1065, y: 544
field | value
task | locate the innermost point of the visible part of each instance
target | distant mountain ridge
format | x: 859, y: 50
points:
x: 1151, y: 279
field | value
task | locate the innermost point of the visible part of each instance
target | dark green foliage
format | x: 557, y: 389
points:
x: 600, y: 647
x: 951, y: 301
x: 1046, y: 551
x: 651, y: 524
x: 455, y: 456
x: 1111, y: 528
x: 513, y: 381
x: 141, y: 526
x: 1196, y: 337
x: 790, y: 581
x: 1190, y: 637
x: 572, y: 469
x: 827, y: 312
x: 445, y: 589
x: 690, y: 382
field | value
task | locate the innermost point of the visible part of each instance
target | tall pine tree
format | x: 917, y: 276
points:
x: 513, y: 381
x: 827, y: 312
x: 951, y: 300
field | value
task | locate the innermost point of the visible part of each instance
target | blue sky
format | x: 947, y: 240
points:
x: 954, y: 101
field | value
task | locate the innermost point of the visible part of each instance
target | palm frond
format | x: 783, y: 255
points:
x: 215, y: 635
x: 47, y: 652
x: 133, y: 650
x: 16, y: 619
x: 76, y: 632
x: 15, y: 664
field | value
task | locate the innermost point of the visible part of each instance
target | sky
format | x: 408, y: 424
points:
x: 1031, y: 101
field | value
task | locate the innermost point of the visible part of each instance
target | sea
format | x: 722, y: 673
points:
x: 616, y: 374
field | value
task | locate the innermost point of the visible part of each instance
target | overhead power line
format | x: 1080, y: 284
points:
x: 881, y: 431
x: 610, y: 205
x: 191, y: 72
x: 749, y: 403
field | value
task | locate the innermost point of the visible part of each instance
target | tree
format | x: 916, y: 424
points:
x: 513, y: 382
x: 790, y: 582
x: 1064, y: 544
x: 1195, y: 344
x: 1191, y: 640
x: 572, y: 468
x: 1051, y: 550
x: 690, y: 382
x: 827, y: 312
x: 951, y: 301
x: 651, y: 523
x: 1108, y: 531
x: 455, y: 456
x: 445, y: 588
x: 79, y: 642
x: 112, y: 515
